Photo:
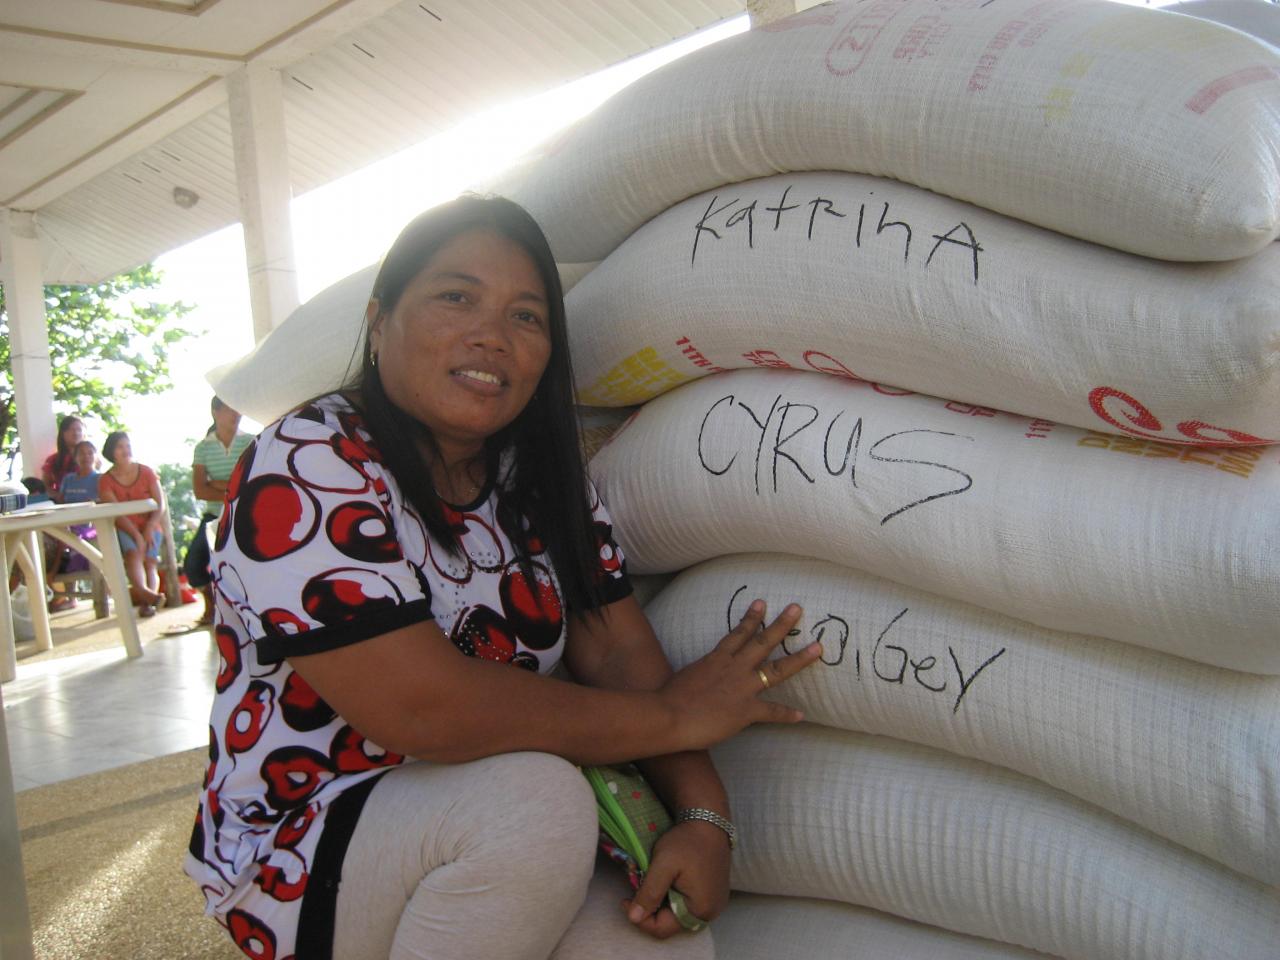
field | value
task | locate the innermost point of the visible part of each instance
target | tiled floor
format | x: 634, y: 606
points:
x: 82, y: 714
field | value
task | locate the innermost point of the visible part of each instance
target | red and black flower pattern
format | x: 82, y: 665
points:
x: 316, y: 549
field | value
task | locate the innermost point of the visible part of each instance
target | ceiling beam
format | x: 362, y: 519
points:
x: 152, y: 128
x: 65, y: 98
x: 58, y: 43
x: 318, y: 32
x: 168, y: 6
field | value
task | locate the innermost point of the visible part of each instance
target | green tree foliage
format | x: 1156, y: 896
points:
x: 184, y: 508
x: 106, y: 342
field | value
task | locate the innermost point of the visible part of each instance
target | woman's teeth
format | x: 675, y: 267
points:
x: 481, y: 376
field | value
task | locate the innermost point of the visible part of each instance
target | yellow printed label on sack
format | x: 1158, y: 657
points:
x: 1237, y: 461
x: 640, y: 377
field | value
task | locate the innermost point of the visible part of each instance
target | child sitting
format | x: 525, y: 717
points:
x: 81, y: 487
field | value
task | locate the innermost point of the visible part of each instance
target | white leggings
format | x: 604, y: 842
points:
x: 489, y: 859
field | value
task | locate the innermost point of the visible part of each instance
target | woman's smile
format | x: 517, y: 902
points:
x: 481, y: 377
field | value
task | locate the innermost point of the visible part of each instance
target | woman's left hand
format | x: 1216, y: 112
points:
x: 693, y: 857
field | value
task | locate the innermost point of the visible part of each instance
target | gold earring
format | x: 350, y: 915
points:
x: 373, y: 359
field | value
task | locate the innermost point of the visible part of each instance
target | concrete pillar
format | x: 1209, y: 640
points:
x: 767, y: 11
x: 262, y: 174
x: 22, y: 275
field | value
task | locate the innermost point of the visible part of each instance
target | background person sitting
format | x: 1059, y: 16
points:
x: 62, y: 461
x: 55, y: 467
x: 81, y: 487
x: 141, y: 534
x: 37, y: 492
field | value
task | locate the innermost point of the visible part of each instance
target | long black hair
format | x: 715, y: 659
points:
x: 549, y: 489
x: 63, y: 455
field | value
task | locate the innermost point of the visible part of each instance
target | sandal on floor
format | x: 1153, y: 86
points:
x: 146, y: 610
x: 182, y: 629
x: 58, y: 604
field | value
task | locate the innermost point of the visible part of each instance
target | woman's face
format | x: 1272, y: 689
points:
x: 72, y: 434
x: 226, y: 419
x: 464, y: 348
x: 123, y: 452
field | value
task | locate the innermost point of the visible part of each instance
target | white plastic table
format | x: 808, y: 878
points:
x: 20, y: 540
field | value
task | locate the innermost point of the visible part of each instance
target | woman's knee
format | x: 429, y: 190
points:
x: 556, y: 808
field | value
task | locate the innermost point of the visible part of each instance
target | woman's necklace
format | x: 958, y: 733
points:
x: 463, y: 491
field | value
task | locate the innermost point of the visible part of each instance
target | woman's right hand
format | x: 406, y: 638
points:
x: 718, y: 695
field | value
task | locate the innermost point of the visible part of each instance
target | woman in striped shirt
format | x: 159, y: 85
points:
x: 211, y: 467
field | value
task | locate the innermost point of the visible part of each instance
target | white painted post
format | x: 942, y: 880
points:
x: 22, y: 275
x: 15, y: 918
x: 262, y: 173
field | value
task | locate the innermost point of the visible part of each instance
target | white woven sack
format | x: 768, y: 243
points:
x: 865, y: 277
x: 314, y: 350
x: 1137, y: 129
x: 756, y: 927
x: 1258, y: 18
x: 973, y: 848
x: 1188, y: 751
x: 1172, y: 548
x: 310, y: 353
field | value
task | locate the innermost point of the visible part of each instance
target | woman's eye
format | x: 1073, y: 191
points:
x: 453, y: 296
x: 526, y: 317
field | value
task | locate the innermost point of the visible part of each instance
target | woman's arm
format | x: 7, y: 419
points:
x: 411, y: 691
x: 46, y: 475
x: 155, y: 519
x: 203, y: 487
x: 107, y: 494
x: 621, y: 651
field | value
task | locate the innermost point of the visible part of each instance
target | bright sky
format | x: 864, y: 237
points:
x: 339, y: 228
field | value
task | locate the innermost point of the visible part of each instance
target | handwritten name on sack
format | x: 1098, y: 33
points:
x: 848, y: 449
x: 888, y: 659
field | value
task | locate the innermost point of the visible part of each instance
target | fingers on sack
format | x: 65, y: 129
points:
x: 784, y: 668
x: 776, y: 632
x: 747, y: 627
x: 778, y: 713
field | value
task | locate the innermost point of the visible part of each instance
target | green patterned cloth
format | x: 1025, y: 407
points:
x: 632, y: 818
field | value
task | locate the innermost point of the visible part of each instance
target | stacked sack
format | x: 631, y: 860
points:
x: 1044, y: 565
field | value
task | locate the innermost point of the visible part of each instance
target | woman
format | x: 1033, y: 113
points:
x: 215, y: 457
x: 379, y: 785
x: 140, y: 534
x: 56, y: 466
x: 62, y: 461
